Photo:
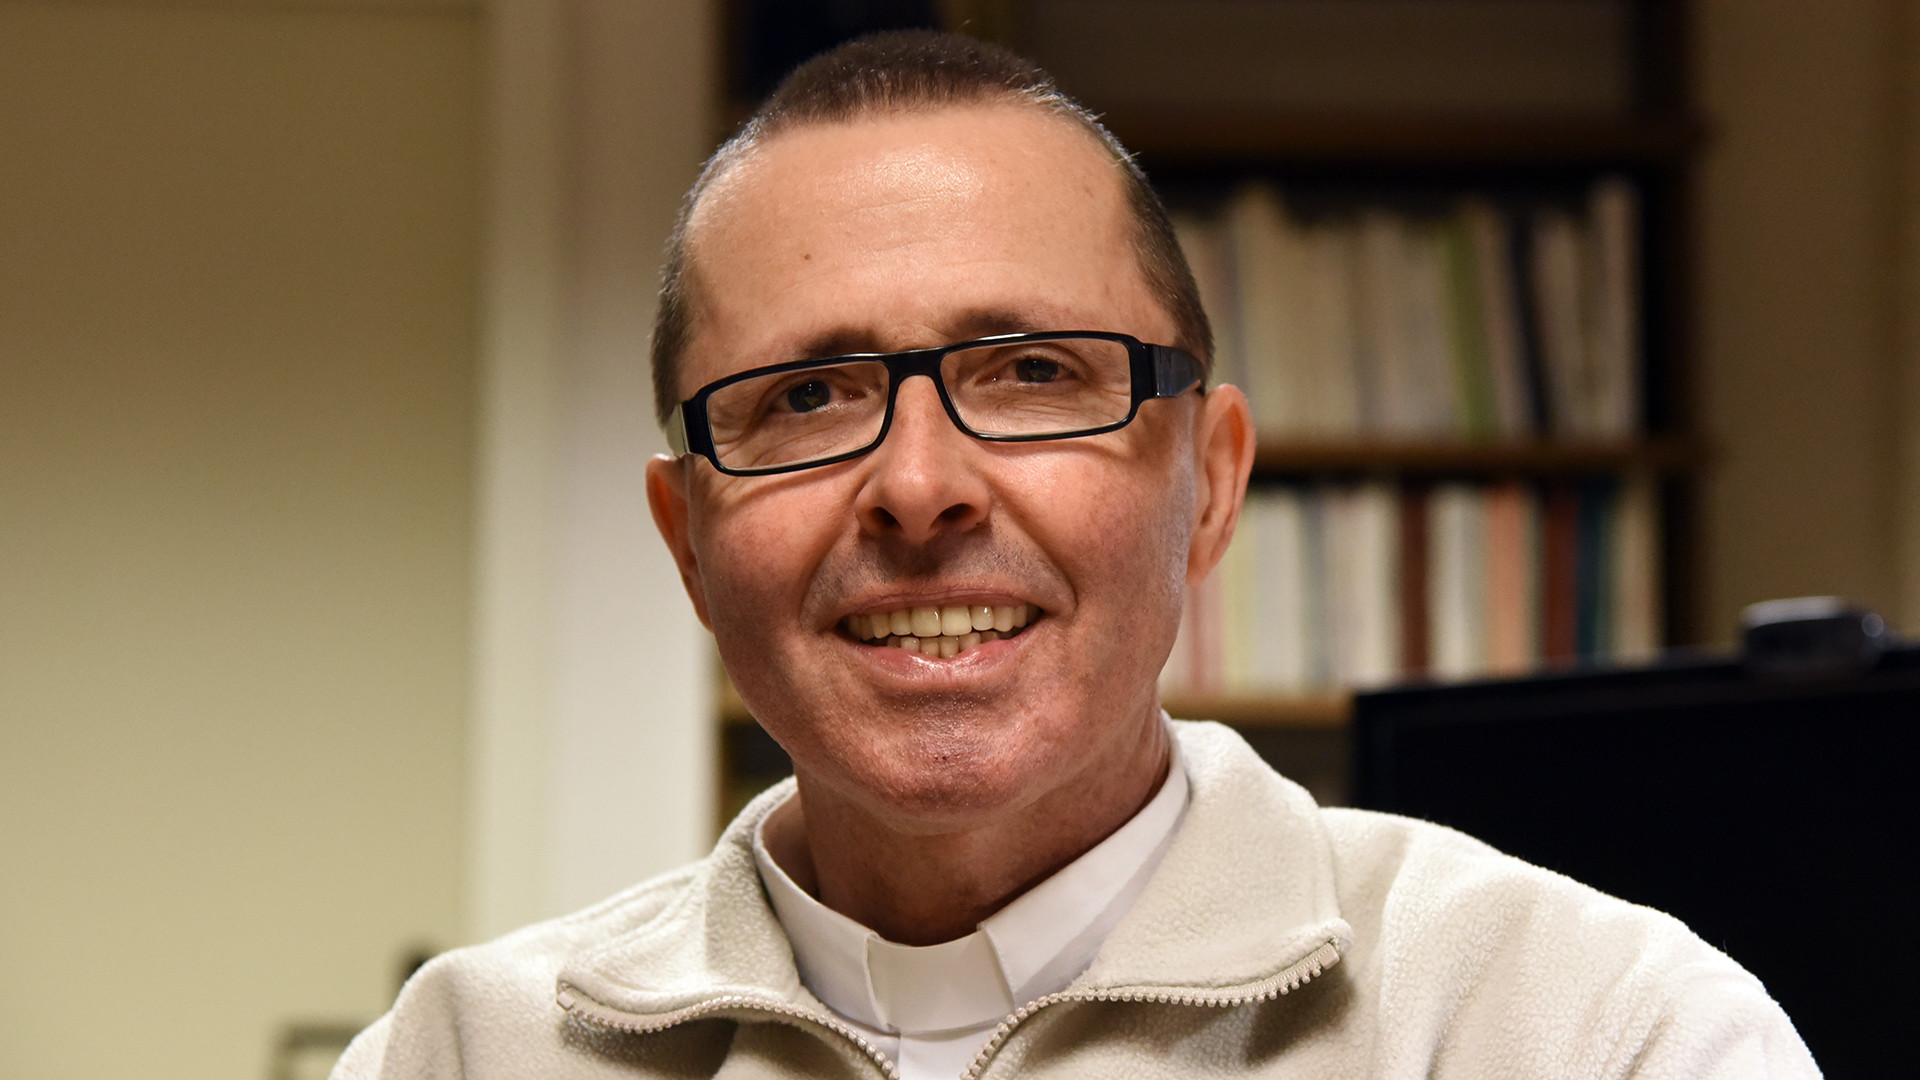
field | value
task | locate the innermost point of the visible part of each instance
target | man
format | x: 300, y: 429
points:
x: 945, y: 579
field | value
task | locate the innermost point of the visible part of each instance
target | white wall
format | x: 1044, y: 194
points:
x: 592, y: 703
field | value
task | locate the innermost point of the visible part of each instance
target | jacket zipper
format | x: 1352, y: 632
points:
x: 601, y: 1016
x: 1285, y: 982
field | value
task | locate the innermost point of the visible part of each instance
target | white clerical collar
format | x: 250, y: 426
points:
x: 1034, y: 946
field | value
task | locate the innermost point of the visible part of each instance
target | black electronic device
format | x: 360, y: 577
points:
x: 1767, y: 801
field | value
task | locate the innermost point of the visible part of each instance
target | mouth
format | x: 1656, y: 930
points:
x: 943, y: 632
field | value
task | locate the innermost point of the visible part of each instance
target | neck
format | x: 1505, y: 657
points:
x: 917, y: 885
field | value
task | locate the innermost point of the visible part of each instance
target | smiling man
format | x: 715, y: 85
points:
x: 947, y: 464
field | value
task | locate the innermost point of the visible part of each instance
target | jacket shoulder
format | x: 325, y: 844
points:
x: 472, y: 1011
x: 1493, y: 959
x: 1420, y: 874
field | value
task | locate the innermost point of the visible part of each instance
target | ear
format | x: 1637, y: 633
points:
x: 1223, y: 452
x: 667, y: 498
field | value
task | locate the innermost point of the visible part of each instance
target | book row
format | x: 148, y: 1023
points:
x: 1359, y: 585
x: 1489, y: 322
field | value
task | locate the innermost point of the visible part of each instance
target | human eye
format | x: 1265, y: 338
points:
x: 1030, y: 367
x: 808, y: 396
x: 806, y: 393
x: 1034, y: 387
x: 779, y: 417
x: 1037, y: 369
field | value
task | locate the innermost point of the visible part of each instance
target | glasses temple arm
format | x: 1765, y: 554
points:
x: 1174, y: 371
x: 675, y: 429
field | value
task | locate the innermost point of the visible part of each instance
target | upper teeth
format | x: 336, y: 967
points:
x: 947, y: 630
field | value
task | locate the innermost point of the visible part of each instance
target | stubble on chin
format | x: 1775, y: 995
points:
x: 927, y: 756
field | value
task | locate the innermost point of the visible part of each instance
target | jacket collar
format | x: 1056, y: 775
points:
x: 1244, y: 895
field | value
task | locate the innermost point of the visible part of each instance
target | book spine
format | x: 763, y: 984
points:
x: 1510, y: 566
x: 1458, y: 584
x: 1319, y: 608
x: 1286, y: 627
x: 1467, y: 333
x: 1415, y: 612
x: 1614, y: 350
x: 1559, y: 279
x: 1377, y: 586
x: 1593, y: 575
x: 1636, y: 553
x: 1490, y: 234
x: 1560, y: 541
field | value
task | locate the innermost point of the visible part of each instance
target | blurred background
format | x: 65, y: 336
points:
x: 333, y: 629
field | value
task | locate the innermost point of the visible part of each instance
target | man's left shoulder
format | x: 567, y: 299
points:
x: 1448, y: 925
x: 1410, y: 874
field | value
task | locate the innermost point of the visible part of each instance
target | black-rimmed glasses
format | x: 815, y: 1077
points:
x: 1009, y: 388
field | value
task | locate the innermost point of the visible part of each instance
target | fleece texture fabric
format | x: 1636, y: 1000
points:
x: 1276, y: 939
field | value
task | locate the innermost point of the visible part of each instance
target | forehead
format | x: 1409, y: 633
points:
x: 902, y: 230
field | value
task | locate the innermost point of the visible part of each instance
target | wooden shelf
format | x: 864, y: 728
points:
x: 1281, y: 457
x: 1170, y: 136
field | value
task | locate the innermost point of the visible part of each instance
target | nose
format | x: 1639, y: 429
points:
x: 924, y: 479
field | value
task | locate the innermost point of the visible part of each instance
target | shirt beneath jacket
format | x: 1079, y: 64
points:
x: 931, y: 1009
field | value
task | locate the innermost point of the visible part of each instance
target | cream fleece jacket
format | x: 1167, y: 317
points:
x: 1277, y: 939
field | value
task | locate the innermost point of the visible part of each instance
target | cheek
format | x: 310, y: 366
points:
x: 1130, y: 539
x: 757, y: 552
x: 1161, y: 588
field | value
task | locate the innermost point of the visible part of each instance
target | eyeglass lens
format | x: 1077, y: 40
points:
x: 1031, y: 388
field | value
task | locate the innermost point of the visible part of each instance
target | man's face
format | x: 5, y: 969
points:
x: 899, y: 232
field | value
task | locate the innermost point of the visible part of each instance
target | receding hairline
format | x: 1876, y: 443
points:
x: 906, y: 75
x: 730, y: 158
x: 718, y: 178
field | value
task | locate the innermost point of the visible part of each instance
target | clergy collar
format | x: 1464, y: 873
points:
x: 1032, y: 947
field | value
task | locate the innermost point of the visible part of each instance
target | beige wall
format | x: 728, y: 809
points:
x: 592, y: 733
x: 238, y: 252
x: 321, y: 426
x: 1805, y: 228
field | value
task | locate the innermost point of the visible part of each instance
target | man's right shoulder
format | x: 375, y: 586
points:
x: 496, y: 1000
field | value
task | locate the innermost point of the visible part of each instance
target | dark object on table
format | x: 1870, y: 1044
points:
x: 1811, y: 637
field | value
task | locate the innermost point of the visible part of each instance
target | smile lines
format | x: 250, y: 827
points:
x: 944, y: 632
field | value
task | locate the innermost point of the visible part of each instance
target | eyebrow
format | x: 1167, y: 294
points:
x: 970, y: 324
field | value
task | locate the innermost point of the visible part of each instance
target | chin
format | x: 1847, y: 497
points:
x: 938, y: 777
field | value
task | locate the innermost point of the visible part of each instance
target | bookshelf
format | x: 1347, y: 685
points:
x: 1421, y: 150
